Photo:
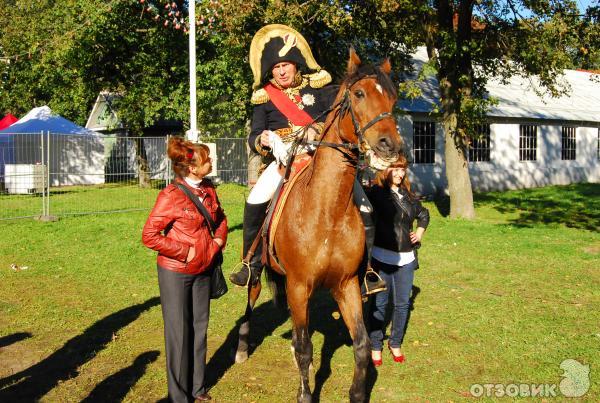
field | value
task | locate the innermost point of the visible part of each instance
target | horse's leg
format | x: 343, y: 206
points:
x: 241, y: 354
x: 302, y: 346
x: 349, y: 301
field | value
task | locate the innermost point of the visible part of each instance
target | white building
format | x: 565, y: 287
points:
x: 529, y: 141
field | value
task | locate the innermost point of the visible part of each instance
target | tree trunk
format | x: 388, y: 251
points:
x: 142, y: 164
x: 457, y: 171
x: 454, y: 77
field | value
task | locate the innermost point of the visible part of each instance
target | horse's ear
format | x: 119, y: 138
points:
x: 353, y: 61
x: 386, y: 66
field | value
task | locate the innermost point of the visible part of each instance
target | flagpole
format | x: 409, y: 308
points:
x: 192, y: 133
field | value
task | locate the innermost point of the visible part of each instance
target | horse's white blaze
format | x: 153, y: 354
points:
x: 379, y: 88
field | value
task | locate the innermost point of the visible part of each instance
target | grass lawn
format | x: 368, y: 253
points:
x: 502, y: 299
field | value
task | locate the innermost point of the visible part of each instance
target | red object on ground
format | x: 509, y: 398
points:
x: 7, y: 121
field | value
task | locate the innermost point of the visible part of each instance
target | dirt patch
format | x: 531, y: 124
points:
x: 15, y: 358
x: 592, y: 250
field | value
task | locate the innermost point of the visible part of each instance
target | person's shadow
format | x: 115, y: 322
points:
x: 34, y: 382
x: 13, y: 338
x: 335, y: 335
x: 265, y: 319
x: 115, y: 387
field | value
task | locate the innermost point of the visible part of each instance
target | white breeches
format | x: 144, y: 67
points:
x: 266, y: 185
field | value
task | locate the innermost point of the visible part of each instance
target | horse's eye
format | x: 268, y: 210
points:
x: 359, y: 94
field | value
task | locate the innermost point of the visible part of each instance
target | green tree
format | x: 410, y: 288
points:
x: 471, y: 41
x: 587, y: 55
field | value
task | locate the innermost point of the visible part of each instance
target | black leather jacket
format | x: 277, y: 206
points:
x: 395, y: 218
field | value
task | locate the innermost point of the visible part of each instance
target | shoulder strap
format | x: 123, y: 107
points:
x: 199, y: 206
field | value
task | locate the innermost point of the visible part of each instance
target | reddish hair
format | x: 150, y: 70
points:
x: 384, y: 178
x: 184, y: 154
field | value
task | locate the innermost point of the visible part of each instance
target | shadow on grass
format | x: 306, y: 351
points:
x: 576, y: 205
x: 265, y: 319
x: 13, y: 338
x: 235, y: 228
x: 335, y: 335
x: 34, y: 382
x: 442, y: 203
x: 115, y: 387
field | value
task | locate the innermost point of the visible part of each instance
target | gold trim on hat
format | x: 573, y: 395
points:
x: 291, y: 38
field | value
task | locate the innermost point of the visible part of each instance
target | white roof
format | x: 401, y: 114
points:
x: 518, y: 98
x: 43, y: 119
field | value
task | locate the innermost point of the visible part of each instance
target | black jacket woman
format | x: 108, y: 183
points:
x: 396, y: 208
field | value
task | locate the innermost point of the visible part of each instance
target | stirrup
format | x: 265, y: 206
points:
x: 373, y: 287
x: 239, y: 267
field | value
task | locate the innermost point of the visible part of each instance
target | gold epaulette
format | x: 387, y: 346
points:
x: 315, y: 80
x: 319, y: 79
x: 260, y: 96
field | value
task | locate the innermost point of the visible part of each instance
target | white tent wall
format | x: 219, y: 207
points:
x: 74, y: 159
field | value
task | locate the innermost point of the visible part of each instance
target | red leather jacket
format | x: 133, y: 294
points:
x: 175, y: 224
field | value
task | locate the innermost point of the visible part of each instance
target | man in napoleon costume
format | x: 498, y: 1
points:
x: 290, y: 92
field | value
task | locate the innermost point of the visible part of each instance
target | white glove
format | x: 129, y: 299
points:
x: 279, y: 149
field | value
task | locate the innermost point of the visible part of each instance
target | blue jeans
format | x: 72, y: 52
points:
x: 399, y: 280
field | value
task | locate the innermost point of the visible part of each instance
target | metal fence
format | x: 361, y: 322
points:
x: 52, y: 174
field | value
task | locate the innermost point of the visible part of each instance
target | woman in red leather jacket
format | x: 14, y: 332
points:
x: 186, y: 250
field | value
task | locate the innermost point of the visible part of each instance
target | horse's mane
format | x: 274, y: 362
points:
x: 371, y: 70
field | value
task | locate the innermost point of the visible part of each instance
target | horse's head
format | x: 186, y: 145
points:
x: 367, y: 96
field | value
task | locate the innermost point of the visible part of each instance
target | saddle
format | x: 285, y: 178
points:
x: 269, y: 256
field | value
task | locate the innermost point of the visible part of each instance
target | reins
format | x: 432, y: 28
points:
x: 345, y: 106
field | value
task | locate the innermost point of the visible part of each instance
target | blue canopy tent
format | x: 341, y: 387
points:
x: 74, y: 154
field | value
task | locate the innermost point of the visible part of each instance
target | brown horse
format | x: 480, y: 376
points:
x: 320, y: 236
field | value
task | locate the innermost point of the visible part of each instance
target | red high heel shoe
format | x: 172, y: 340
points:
x: 378, y: 362
x: 397, y: 358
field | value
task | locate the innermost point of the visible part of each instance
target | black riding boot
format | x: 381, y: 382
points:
x: 254, y: 216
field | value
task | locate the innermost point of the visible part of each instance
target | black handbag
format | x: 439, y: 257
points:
x: 218, y: 286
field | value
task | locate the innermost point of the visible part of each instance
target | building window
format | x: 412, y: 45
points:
x: 527, y: 143
x: 479, y: 149
x: 568, y: 143
x: 424, y: 142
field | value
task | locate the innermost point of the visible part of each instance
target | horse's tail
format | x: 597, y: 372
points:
x: 277, y: 285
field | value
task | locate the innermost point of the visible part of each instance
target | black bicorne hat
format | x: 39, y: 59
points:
x: 277, y: 43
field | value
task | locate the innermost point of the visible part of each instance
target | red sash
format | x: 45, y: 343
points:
x: 286, y: 106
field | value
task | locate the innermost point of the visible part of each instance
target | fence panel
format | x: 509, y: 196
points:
x: 22, y: 175
x: 232, y: 160
x: 58, y: 174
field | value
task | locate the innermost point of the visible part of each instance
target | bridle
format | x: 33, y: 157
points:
x: 345, y: 106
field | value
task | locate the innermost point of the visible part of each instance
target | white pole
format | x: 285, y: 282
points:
x: 43, y: 176
x: 192, y: 134
x: 48, y: 175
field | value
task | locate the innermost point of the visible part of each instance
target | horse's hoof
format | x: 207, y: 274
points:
x: 241, y: 356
